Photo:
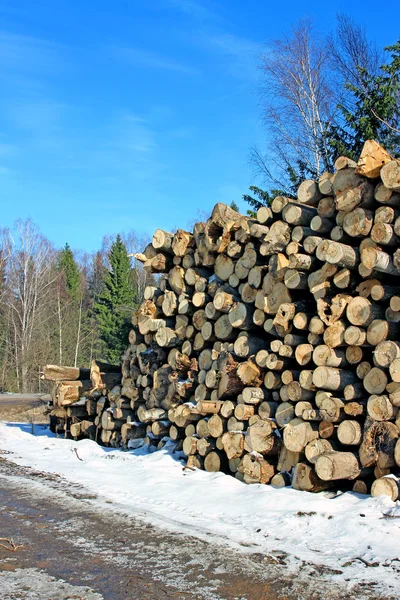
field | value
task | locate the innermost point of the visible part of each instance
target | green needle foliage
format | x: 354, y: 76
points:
x: 114, y: 305
x: 375, y: 114
x: 67, y: 266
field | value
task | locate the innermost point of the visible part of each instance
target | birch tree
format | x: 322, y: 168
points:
x: 297, y: 104
x: 29, y: 275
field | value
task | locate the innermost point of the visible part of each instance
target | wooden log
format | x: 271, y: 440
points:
x: 296, y: 280
x: 325, y: 183
x: 267, y: 409
x: 326, y: 429
x: 380, y: 330
x: 373, y: 157
x: 386, y: 486
x: 276, y: 239
x: 215, y: 461
x: 380, y: 408
x: 254, y: 395
x: 317, y: 448
x: 208, y: 407
x: 384, y: 234
x: 181, y: 242
x: 261, y: 357
x: 230, y: 385
x: 162, y: 240
x: 390, y: 175
x: 296, y: 214
x: 331, y: 409
x: 349, y: 433
x: 321, y: 224
x: 248, y: 345
x: 280, y: 480
x: 382, y: 293
x: 176, y: 280
x: 249, y: 373
x: 375, y: 381
x: 301, y: 262
x: 304, y: 478
x: 386, y: 196
x: 358, y: 222
x: 338, y: 254
x: 330, y: 357
x: 205, y: 446
x: 308, y: 193
x: 372, y: 258
x: 243, y: 412
x: 298, y: 433
x: 167, y: 338
x: 301, y: 320
x: 353, y: 391
x: 378, y: 444
x: 326, y: 207
x: 224, y: 267
x: 311, y: 243
x: 337, y: 465
x: 354, y: 355
x: 216, y: 426
x: 393, y: 389
x: 223, y: 329
x: 361, y: 311
x: 233, y: 443
x: 260, y: 438
x: 241, y: 316
x: 329, y: 378
x: 304, y: 354
x: 334, y: 334
x: 256, y: 469
x: 360, y: 487
x: 352, y: 190
x: 61, y: 373
x: 223, y: 301
x: 343, y: 279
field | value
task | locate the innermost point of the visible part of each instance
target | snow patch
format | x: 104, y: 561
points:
x: 345, y: 532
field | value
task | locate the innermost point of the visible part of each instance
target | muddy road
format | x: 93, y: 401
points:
x: 72, y: 545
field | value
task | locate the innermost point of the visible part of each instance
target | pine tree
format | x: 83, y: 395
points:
x: 375, y: 114
x: 114, y: 304
x: 262, y: 198
x: 67, y: 266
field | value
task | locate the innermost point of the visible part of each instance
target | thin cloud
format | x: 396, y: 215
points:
x: 27, y: 54
x: 241, y: 53
x: 151, y: 60
x: 193, y: 8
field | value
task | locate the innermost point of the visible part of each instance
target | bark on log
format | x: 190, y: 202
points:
x: 337, y: 465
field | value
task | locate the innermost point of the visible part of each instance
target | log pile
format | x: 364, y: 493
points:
x: 269, y: 347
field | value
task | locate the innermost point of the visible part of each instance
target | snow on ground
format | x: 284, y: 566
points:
x: 356, y: 535
x: 31, y: 584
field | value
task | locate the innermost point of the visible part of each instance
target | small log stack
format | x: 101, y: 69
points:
x: 269, y: 348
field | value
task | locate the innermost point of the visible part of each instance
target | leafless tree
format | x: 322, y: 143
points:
x: 351, y: 53
x: 29, y: 275
x: 296, y: 103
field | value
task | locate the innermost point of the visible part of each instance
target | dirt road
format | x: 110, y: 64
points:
x: 24, y: 408
x: 74, y: 545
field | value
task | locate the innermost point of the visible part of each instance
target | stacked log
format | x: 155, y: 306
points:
x: 269, y: 346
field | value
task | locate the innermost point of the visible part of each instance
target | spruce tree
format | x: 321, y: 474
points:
x: 114, y: 304
x: 375, y: 114
x: 70, y: 270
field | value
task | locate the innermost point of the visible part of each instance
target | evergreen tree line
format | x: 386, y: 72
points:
x: 322, y: 96
x: 57, y: 306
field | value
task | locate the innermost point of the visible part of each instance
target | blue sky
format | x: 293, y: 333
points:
x: 137, y: 114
